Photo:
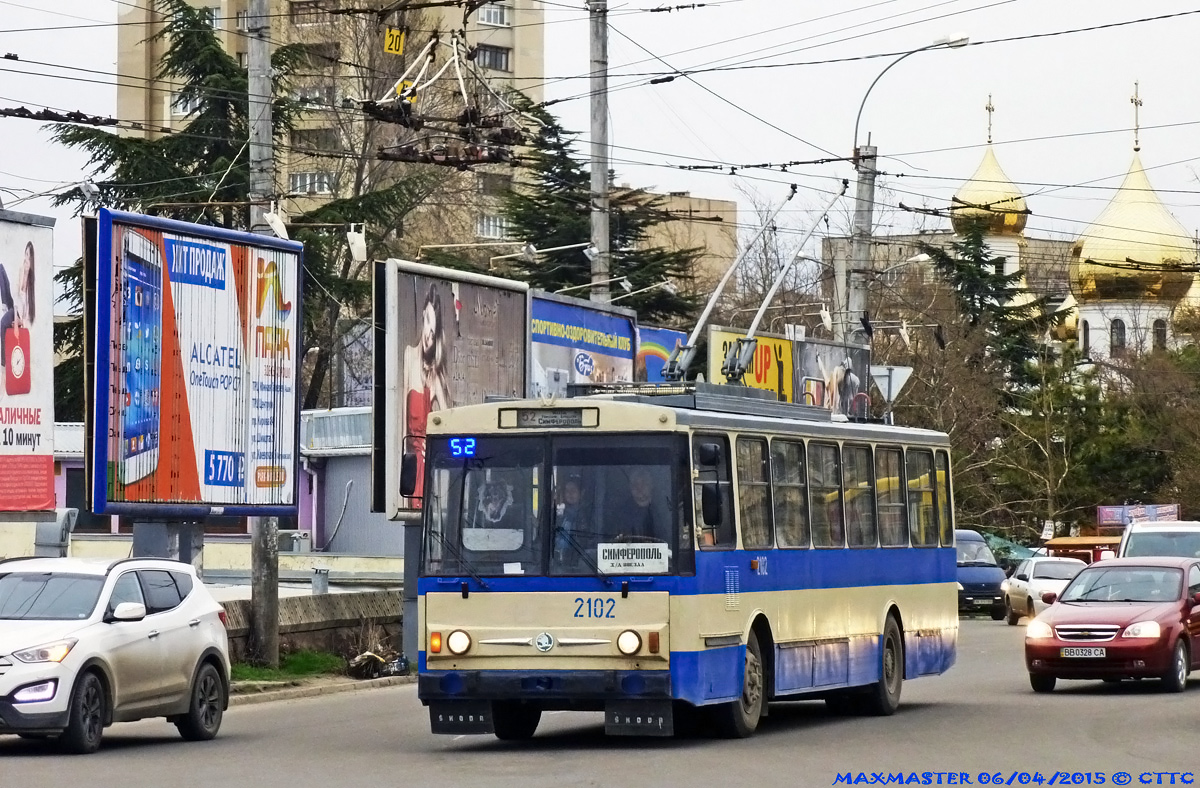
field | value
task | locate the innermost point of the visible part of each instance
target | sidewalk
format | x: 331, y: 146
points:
x: 242, y: 693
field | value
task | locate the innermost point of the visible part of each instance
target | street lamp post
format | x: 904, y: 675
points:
x: 851, y: 290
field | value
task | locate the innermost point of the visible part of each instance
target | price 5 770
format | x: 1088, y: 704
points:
x: 224, y: 468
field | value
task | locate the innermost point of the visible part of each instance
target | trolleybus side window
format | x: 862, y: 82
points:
x: 889, y: 487
x: 788, y: 479
x: 858, y: 474
x: 922, y: 500
x: 754, y: 492
x: 713, y: 473
x: 945, y: 516
x: 825, y: 492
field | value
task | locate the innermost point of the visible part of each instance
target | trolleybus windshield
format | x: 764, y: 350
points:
x: 563, y: 505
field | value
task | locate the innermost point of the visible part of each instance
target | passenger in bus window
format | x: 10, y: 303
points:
x: 571, y: 518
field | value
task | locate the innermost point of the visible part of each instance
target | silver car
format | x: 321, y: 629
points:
x: 86, y: 643
x: 1032, y: 578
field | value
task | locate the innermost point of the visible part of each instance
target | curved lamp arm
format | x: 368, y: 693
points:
x: 951, y: 43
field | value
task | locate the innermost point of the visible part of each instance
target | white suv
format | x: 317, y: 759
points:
x: 86, y: 643
x: 1168, y: 538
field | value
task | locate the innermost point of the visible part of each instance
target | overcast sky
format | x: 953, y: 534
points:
x: 1062, y: 125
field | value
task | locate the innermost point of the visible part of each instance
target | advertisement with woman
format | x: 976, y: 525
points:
x: 26, y: 362
x: 458, y: 339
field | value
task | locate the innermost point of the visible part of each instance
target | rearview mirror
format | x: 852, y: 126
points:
x: 710, y: 504
x: 708, y: 454
x: 128, y: 611
x: 408, y: 474
x: 1049, y: 597
x: 1022, y: 576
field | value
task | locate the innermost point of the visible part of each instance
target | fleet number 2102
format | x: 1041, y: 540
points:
x: 594, y: 608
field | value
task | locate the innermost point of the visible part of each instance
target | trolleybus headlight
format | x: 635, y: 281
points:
x: 458, y: 642
x: 629, y: 642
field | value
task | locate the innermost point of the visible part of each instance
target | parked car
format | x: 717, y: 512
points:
x: 1181, y: 538
x: 979, y: 576
x: 86, y: 643
x: 1120, y: 618
x: 1034, y: 577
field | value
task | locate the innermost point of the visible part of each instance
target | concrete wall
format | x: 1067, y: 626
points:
x: 16, y: 538
x: 346, y: 624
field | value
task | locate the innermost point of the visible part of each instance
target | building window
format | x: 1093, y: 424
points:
x: 494, y: 184
x: 495, y: 58
x: 309, y: 183
x: 184, y: 105
x: 1085, y: 336
x: 307, y: 12
x: 212, y: 15
x: 243, y: 60
x: 322, y: 95
x: 242, y: 20
x: 1116, y: 339
x: 496, y: 14
x: 1160, y: 334
x: 315, y: 139
x: 492, y: 226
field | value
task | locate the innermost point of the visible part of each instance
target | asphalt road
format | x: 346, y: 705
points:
x: 979, y: 717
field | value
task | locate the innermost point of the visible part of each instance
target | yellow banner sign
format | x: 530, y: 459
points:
x: 393, y: 41
x: 772, y: 367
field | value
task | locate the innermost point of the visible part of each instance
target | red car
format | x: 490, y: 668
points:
x: 1119, y: 619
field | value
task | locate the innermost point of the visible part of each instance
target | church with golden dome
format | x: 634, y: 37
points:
x: 1118, y: 287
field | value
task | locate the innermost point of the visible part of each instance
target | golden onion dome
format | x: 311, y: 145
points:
x: 1068, y: 310
x: 1135, y: 250
x: 989, y: 196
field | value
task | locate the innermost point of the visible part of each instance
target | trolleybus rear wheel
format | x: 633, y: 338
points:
x: 883, y: 697
x: 739, y: 719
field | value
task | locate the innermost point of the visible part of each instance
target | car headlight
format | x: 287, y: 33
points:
x: 50, y: 652
x: 629, y: 642
x: 1143, y: 629
x: 1038, y: 630
x: 458, y: 642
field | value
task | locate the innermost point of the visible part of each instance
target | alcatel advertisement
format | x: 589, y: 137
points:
x: 26, y: 362
x: 196, y: 382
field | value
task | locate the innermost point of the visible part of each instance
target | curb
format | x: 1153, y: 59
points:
x: 292, y: 693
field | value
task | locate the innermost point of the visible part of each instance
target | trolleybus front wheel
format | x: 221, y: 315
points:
x: 515, y: 721
x: 739, y: 719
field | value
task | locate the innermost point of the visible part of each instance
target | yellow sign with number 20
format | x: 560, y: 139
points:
x: 393, y: 41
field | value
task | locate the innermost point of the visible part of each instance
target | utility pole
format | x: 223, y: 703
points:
x: 860, y: 249
x: 264, y: 548
x: 598, y: 11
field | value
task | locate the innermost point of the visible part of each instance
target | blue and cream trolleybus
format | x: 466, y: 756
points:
x: 678, y: 552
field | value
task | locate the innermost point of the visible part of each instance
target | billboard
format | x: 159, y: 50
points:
x: 26, y: 362
x: 452, y: 338
x: 1137, y: 513
x: 772, y: 368
x: 833, y: 376
x: 654, y: 347
x: 578, y: 341
x: 194, y: 407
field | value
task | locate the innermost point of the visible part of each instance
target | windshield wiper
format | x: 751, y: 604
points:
x: 462, y: 560
x: 558, y: 529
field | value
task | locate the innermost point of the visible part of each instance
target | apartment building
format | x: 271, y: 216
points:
x: 347, y: 62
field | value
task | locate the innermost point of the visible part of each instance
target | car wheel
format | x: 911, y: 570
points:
x: 1175, y: 679
x: 514, y: 721
x: 88, y: 713
x: 207, y: 708
x: 739, y: 719
x: 1010, y: 615
x: 1042, y: 683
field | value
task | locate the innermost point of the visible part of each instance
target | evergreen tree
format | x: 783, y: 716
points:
x: 201, y: 174
x: 988, y: 301
x: 552, y: 207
